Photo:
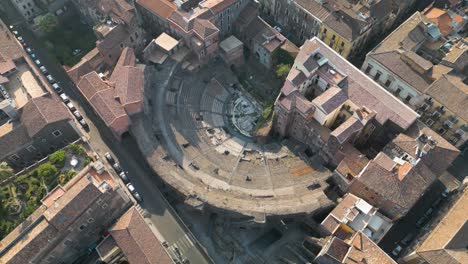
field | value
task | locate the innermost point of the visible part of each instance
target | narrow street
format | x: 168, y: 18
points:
x: 162, y: 216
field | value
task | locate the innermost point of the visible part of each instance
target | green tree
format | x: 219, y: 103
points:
x: 5, y: 171
x: 47, y: 172
x: 47, y: 22
x: 281, y: 56
x: 282, y: 71
x: 58, y: 158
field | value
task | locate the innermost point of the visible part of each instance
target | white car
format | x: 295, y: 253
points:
x: 131, y: 188
x: 64, y: 98
x: 396, y: 252
x: 50, y: 78
x: 43, y: 69
x: 71, y: 106
x: 38, y: 62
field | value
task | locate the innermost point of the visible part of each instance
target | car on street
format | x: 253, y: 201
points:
x: 15, y: 32
x: 78, y: 115
x: 71, y: 107
x: 20, y: 39
x: 29, y: 50
x: 50, y: 79
x: 33, y: 56
x: 137, y: 197
x: 64, y: 98
x: 117, y: 168
x: 396, y: 252
x: 83, y: 124
x: 109, y: 158
x: 407, y: 239
x: 445, y: 193
x: 43, y: 70
x: 124, y: 177
x: 130, y: 187
x: 437, y: 202
x: 429, y: 212
x: 57, y: 88
x: 38, y: 62
x: 76, y: 52
x: 421, y: 221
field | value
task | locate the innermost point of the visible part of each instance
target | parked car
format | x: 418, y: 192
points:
x: 15, y: 32
x: 29, y: 50
x: 57, y: 88
x: 76, y: 52
x: 407, y: 239
x: 50, y: 79
x: 43, y: 69
x: 84, y: 124
x: 137, y: 197
x: 71, y: 106
x: 20, y: 39
x: 445, y: 193
x: 124, y: 177
x: 78, y: 115
x: 429, y: 212
x: 64, y: 98
x: 130, y: 187
x: 437, y: 202
x: 38, y: 62
x: 117, y: 168
x: 396, y: 252
x: 33, y: 56
x: 421, y: 221
x: 109, y: 158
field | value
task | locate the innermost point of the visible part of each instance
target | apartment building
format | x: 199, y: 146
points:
x: 70, y: 219
x: 343, y: 25
x: 424, y: 64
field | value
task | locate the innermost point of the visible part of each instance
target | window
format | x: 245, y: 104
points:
x: 57, y: 133
x: 398, y: 91
x: 377, y: 76
x: 368, y: 69
x: 333, y: 37
x: 388, y: 83
x: 31, y: 148
x: 14, y: 157
x: 90, y: 220
x: 324, y: 31
x: 408, y: 98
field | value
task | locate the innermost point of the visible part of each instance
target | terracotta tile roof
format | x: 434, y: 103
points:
x: 440, y: 18
x: 344, y: 25
x: 353, y: 161
x: 447, y: 243
x: 315, y: 8
x: 118, y: 9
x: 364, y: 250
x: 407, y: 34
x: 102, y: 98
x: 128, y: 79
x: 80, y: 69
x: 347, y: 129
x: 136, y: 240
x: 393, y: 62
x: 217, y: 6
x: 9, y: 48
x: 6, y: 66
x: 359, y: 88
x: 451, y: 92
x: 16, y: 136
x: 338, y: 249
x: 402, y: 191
x: 331, y: 99
x: 335, y: 217
x: 111, y: 43
x: 204, y: 28
x: 162, y: 8
x: 41, y: 111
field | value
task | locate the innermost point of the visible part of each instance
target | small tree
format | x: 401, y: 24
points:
x: 281, y: 56
x: 5, y: 171
x: 47, y: 22
x: 282, y: 71
x: 58, y: 158
x: 47, y: 172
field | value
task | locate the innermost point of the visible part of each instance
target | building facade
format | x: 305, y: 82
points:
x: 70, y: 219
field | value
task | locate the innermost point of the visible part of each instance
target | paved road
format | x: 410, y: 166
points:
x: 162, y: 215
